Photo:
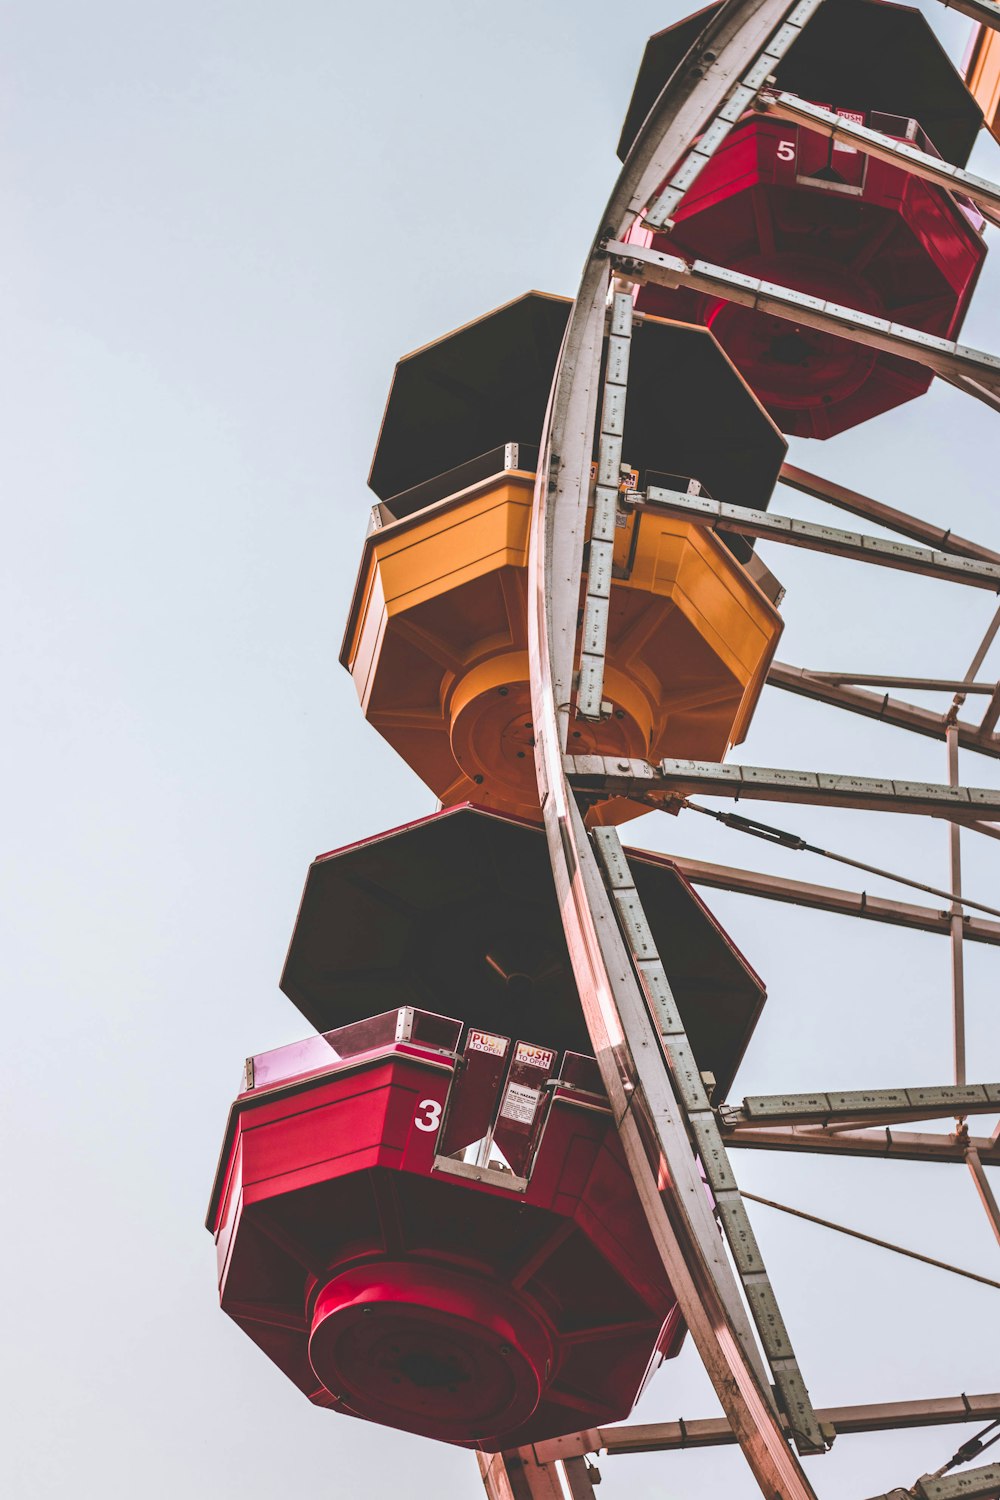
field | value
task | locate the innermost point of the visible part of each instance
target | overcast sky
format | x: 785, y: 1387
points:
x: 222, y: 221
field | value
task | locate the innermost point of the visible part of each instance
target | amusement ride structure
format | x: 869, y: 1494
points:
x: 493, y: 1189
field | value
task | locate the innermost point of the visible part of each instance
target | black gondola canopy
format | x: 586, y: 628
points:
x: 852, y: 54
x: 457, y: 915
x: 487, y: 384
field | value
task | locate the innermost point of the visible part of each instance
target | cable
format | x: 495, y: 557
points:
x: 857, y: 1234
x: 772, y: 835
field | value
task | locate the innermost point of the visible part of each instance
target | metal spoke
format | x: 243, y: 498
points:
x: 895, y: 711
x: 889, y: 516
x: 711, y: 1432
x: 972, y: 370
x: 857, y: 545
x: 675, y: 780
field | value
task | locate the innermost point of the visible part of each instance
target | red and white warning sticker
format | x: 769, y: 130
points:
x: 520, y: 1103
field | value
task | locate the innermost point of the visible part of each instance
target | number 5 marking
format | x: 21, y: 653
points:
x: 786, y: 150
x: 432, y: 1119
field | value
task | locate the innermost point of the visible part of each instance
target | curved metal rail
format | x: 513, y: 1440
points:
x: 724, y: 64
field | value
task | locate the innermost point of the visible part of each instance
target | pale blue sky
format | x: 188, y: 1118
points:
x: 221, y: 224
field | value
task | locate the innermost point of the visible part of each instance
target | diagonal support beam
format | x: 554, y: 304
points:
x: 894, y: 711
x: 831, y: 899
x: 888, y: 516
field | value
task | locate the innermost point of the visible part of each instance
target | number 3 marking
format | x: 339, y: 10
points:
x: 432, y: 1115
x: 786, y: 150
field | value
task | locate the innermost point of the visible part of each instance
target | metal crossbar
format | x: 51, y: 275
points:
x: 900, y: 1145
x: 832, y: 899
x: 857, y: 545
x: 677, y: 779
x: 867, y: 1106
x: 711, y: 1432
x: 972, y: 370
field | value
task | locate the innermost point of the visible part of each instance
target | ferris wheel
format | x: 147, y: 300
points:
x: 495, y: 1188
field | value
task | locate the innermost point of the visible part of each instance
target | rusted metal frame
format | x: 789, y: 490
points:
x: 741, y: 97
x: 675, y: 780
x: 899, y: 1145
x: 984, y: 1188
x: 713, y: 1432
x: 858, y: 1107
x: 859, y: 546
x: 893, y: 711
x: 597, y: 603
x: 972, y: 370
x: 784, y: 106
x: 871, y: 1239
x: 884, y: 515
x: 707, y: 1142
x: 832, y: 899
x: 650, y: 1127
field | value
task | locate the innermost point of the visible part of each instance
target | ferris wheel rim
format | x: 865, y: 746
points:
x: 601, y: 961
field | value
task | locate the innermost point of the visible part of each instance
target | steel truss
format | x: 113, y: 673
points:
x: 664, y: 1117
